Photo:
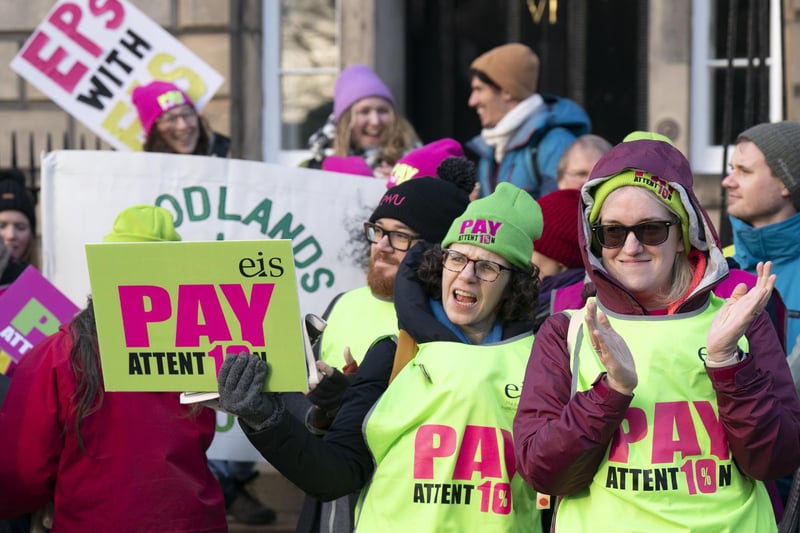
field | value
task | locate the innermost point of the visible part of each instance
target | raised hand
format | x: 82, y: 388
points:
x: 612, y: 350
x: 739, y: 310
x: 240, y: 381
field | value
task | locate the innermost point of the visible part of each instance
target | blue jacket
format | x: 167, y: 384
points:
x: 779, y: 243
x: 545, y: 135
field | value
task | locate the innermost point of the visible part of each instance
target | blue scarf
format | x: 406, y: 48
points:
x: 495, y: 335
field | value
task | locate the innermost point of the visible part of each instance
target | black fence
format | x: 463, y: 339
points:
x: 24, y: 153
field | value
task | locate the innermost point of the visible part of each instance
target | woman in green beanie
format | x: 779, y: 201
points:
x: 424, y: 432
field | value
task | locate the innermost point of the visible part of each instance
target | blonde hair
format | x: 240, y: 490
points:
x: 682, y: 275
x: 396, y: 141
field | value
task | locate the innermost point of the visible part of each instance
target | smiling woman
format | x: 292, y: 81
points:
x: 364, y: 123
x: 643, y: 403
x: 172, y: 124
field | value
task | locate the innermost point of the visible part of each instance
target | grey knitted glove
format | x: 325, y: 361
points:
x: 240, y: 380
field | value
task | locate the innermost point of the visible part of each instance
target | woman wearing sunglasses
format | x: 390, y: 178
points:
x: 658, y: 401
x: 425, y: 433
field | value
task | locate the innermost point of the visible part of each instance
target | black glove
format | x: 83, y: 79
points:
x: 240, y: 381
x: 329, y: 392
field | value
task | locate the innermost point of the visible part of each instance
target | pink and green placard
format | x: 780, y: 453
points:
x: 168, y: 313
x: 31, y: 309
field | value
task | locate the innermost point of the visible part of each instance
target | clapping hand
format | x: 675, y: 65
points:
x: 612, y: 350
x: 737, y: 313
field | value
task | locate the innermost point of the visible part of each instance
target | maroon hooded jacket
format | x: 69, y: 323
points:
x: 561, y: 438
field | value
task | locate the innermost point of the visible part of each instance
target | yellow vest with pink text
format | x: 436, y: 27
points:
x: 441, y: 439
x: 669, y: 467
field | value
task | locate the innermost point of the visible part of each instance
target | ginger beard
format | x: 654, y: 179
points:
x: 380, y: 277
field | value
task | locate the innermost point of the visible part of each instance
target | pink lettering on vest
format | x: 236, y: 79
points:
x: 716, y: 433
x: 479, y: 452
x: 673, y: 431
x: 508, y: 452
x: 133, y: 301
x: 637, y: 429
x: 432, y: 441
x: 493, y: 227
x: 465, y: 226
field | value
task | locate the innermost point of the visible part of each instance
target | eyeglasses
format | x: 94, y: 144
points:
x: 651, y: 233
x: 484, y: 270
x: 399, y: 240
x: 171, y: 119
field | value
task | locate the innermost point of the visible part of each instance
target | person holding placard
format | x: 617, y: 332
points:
x: 110, y: 461
x: 425, y: 430
x: 418, y: 209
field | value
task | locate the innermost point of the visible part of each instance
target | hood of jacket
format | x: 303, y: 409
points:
x: 412, y: 303
x: 555, y: 112
x: 659, y: 158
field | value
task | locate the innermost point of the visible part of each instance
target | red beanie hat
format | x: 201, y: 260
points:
x: 559, y: 238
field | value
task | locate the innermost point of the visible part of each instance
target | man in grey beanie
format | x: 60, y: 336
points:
x: 763, y: 193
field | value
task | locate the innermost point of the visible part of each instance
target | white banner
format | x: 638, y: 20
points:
x: 211, y: 199
x: 88, y: 58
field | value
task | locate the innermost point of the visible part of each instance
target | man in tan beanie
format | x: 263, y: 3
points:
x: 524, y: 133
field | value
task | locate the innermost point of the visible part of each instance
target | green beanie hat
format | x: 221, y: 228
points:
x: 143, y: 223
x: 638, y: 178
x: 506, y: 223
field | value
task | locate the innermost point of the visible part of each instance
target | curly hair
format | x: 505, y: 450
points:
x: 520, y: 297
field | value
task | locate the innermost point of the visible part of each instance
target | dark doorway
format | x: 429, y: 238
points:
x: 593, y: 51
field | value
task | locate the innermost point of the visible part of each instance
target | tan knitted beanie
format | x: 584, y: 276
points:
x: 513, y: 67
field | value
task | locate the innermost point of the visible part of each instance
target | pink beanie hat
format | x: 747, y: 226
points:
x: 354, y: 83
x: 153, y: 99
x: 424, y: 161
x: 347, y: 165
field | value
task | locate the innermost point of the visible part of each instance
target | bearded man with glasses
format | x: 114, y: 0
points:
x: 417, y: 210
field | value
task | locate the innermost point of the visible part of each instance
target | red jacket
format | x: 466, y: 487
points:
x: 144, y: 469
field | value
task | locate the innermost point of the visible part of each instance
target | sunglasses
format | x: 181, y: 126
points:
x: 651, y: 233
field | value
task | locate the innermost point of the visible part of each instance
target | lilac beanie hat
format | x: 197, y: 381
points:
x: 155, y: 98
x: 354, y: 83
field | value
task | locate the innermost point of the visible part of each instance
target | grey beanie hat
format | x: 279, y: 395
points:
x: 779, y: 142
